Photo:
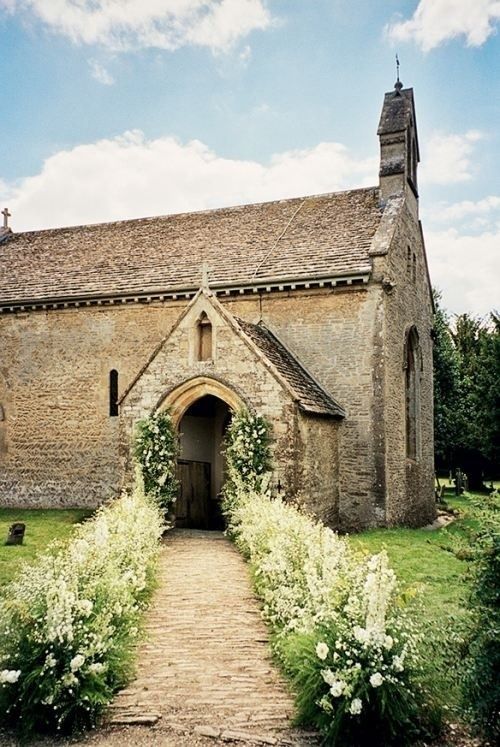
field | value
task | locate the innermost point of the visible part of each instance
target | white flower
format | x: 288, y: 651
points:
x: 325, y: 704
x: 96, y: 668
x: 376, y: 679
x: 337, y: 688
x: 322, y: 650
x: 76, y: 662
x: 360, y: 634
x: 69, y: 679
x: 51, y: 660
x: 356, y: 707
x: 328, y: 676
x: 388, y: 642
x: 85, y: 607
x: 397, y: 664
x: 9, y: 676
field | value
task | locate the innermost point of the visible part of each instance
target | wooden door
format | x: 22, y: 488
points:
x: 192, y: 508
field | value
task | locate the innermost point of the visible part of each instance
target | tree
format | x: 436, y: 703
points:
x: 447, y: 402
x: 488, y: 392
x: 467, y: 394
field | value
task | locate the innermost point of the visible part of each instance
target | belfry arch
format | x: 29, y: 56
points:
x: 201, y: 410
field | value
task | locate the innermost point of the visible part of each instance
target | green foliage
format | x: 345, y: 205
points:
x: 467, y: 393
x: 42, y: 525
x: 447, y: 401
x: 425, y: 561
x: 389, y: 715
x: 68, y: 624
x: 247, y: 451
x: 338, y: 620
x: 156, y: 450
x: 481, y: 684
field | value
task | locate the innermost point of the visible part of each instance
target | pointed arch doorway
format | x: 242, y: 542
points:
x: 201, y: 409
x: 201, y: 463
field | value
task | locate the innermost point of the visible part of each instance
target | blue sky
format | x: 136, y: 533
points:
x: 117, y: 110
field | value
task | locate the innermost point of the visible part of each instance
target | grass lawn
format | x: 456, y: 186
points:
x: 423, y: 559
x: 42, y: 526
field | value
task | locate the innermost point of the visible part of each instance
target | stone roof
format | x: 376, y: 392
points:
x: 311, y: 396
x: 303, y: 238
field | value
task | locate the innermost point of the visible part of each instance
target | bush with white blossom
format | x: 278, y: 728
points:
x: 247, y: 451
x: 156, y: 450
x: 339, y: 621
x: 68, y: 624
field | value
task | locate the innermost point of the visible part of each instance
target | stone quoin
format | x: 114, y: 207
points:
x: 315, y: 312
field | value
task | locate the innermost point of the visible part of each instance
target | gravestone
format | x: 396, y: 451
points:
x: 16, y: 534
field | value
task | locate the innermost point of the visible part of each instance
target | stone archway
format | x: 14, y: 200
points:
x: 201, y: 411
x: 179, y: 399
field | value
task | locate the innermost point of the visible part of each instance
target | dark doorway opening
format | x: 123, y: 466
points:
x: 201, y: 463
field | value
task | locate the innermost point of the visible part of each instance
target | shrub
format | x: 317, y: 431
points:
x: 481, y: 682
x: 247, y: 451
x: 68, y: 623
x: 156, y: 450
x: 338, y: 618
x: 339, y: 624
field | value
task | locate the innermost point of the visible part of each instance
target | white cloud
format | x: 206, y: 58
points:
x: 122, y: 25
x: 447, y: 158
x: 460, y: 211
x: 130, y: 176
x: 466, y: 268
x: 437, y: 21
x: 464, y: 256
x: 245, y: 55
x: 5, y: 190
x: 100, y: 73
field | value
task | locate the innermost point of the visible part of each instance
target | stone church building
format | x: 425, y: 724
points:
x: 315, y: 312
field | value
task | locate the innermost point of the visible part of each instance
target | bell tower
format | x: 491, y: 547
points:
x: 399, y: 153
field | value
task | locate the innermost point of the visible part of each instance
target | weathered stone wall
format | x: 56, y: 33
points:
x: 60, y: 447
x: 318, y: 488
x: 305, y: 448
x: 407, y: 303
x: 336, y: 334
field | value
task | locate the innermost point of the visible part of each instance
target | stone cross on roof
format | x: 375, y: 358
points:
x: 6, y: 216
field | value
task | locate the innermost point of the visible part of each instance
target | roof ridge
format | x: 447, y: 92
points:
x: 235, y: 208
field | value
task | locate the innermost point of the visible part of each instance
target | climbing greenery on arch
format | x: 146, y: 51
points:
x: 156, y: 450
x: 247, y: 451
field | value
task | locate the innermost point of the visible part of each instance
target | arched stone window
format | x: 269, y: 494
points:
x: 412, y: 393
x: 113, y: 393
x: 204, y: 338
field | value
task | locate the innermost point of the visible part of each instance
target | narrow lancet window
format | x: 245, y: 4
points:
x: 412, y: 391
x: 204, y: 342
x: 113, y: 393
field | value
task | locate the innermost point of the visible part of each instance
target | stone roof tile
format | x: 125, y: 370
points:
x: 300, y: 238
x: 311, y: 396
